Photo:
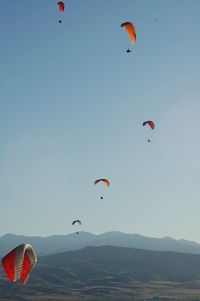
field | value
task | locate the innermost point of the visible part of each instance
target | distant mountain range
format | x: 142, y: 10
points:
x: 111, y: 274
x: 60, y: 243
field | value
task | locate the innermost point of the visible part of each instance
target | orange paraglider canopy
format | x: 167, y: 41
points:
x: 105, y: 181
x: 131, y: 31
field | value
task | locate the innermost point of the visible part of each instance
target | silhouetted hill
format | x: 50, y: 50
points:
x: 109, y: 273
x: 142, y: 265
x: 60, y: 243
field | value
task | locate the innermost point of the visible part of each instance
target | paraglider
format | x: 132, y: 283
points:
x: 61, y: 6
x: 130, y: 28
x: 19, y: 262
x: 77, y: 221
x: 150, y: 123
x: 105, y: 181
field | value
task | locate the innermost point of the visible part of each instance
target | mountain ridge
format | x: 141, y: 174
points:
x: 69, y: 242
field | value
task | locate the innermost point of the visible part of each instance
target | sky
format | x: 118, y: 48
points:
x: 72, y: 104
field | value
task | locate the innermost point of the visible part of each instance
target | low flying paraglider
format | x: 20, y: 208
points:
x: 61, y: 6
x: 77, y: 221
x: 130, y: 28
x: 105, y: 181
x: 19, y: 262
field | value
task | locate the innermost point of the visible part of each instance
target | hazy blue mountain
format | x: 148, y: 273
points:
x: 61, y: 243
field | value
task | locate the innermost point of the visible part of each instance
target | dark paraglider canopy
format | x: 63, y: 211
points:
x: 76, y: 221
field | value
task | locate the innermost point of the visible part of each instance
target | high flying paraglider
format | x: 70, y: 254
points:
x: 19, y: 262
x: 130, y: 28
x: 61, y: 6
x: 151, y: 125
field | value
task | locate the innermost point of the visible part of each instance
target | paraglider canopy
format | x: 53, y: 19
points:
x: 61, y: 6
x: 77, y: 221
x: 131, y: 31
x: 150, y: 123
x: 19, y: 262
x: 105, y: 181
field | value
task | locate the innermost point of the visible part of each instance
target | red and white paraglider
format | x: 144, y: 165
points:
x: 19, y: 262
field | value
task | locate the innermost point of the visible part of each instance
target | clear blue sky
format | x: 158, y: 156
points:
x: 72, y: 103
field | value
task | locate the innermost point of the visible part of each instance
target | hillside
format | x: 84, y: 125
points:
x: 110, y: 273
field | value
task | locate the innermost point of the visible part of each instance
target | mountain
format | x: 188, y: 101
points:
x: 142, y: 265
x: 109, y: 273
x: 61, y: 243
